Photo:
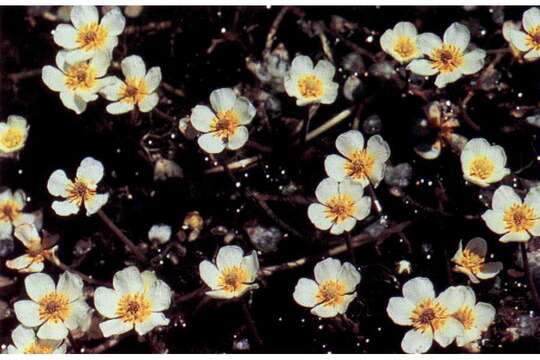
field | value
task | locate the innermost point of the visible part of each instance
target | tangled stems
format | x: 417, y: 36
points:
x: 251, y: 324
x: 530, y: 278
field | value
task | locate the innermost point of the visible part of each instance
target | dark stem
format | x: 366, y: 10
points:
x: 350, y: 248
x: 251, y: 324
x: 312, y: 110
x: 74, y: 344
x: 530, y: 278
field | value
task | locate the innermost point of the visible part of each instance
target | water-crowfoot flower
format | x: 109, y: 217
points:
x: 447, y: 57
x: 11, y: 212
x: 400, y: 42
x: 471, y: 261
x: 340, y: 206
x: 54, y: 309
x: 160, y: 233
x: 528, y: 41
x: 137, y: 301
x: 513, y: 218
x: 403, y: 267
x: 310, y: 84
x: 139, y: 87
x: 483, y: 164
x: 77, y: 83
x: 223, y: 126
x: 25, y: 342
x: 332, y: 290
x: 430, y: 316
x: 13, y: 134
x: 358, y: 163
x: 37, y: 253
x: 475, y: 317
x: 81, y: 191
x: 233, y: 274
x: 88, y: 36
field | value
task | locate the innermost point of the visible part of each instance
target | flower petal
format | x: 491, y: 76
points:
x: 153, y: 79
x: 53, y: 331
x: 349, y: 142
x: 244, y: 109
x: 58, y: 184
x: 415, y: 342
x: 349, y: 276
x: 447, y: 78
x: 485, y: 315
x: 114, y: 327
x: 317, y: 215
x: 133, y: 67
x: 478, y: 246
x: 23, y: 337
x: 209, y: 274
x: 111, y: 92
x: 300, y: 65
x: 521, y: 236
x: 202, y: 117
x: 128, y: 280
x: 70, y: 285
x: 473, y: 61
x: 324, y: 70
x: 457, y: 35
x: 418, y: 289
x: 504, y: 197
x: 53, y: 78
x: 228, y: 256
x: 324, y: 311
x: 335, y: 167
x: 422, y: 67
x: 114, y: 21
x: 427, y: 42
x: 494, y: 221
x: 531, y: 19
x: 65, y: 36
x: 27, y: 312
x: 160, y: 296
x: 106, y: 301
x: 90, y: 171
x: 155, y: 320
x: 239, y: 138
x: 250, y: 264
x: 400, y: 309
x: 490, y: 270
x: 305, y: 292
x: 119, y: 108
x: 211, y: 143
x: 327, y: 269
x: 326, y: 189
x: 451, y: 329
x: 452, y: 298
x: 82, y: 15
x: 73, y: 102
x: 519, y: 39
x: 222, y: 99
x: 38, y: 285
x: 65, y: 208
x: 95, y: 203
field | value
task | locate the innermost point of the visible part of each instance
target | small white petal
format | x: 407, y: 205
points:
x: 65, y: 208
x: 244, y: 109
x: 521, y: 236
x: 228, y: 256
x: 451, y: 329
x: 490, y: 270
x: 114, y: 22
x: 400, y: 309
x: 222, y: 99
x: 114, y: 327
x: 317, y: 215
x: 111, y: 92
x: 250, y: 264
x: 335, y: 167
x: 153, y: 79
x: 95, y: 203
x: 90, y: 171
x: 201, y: 118
x: 327, y: 269
x: 326, y: 189
x: 58, y: 184
x: 53, y: 331
x: 473, y: 61
x: 73, y: 102
x: 65, y: 36
x: 301, y: 65
x: 211, y: 143
x: 422, y: 67
x: 418, y: 289
x: 324, y: 70
x: 53, y: 78
x: 349, y: 142
x: 106, y: 301
x: 452, y: 298
x: 494, y: 221
x: 209, y: 274
x: 428, y: 42
x: 160, y: 296
x: 239, y: 138
x: 305, y: 292
x: 457, y: 35
x: 155, y: 320
x: 82, y: 15
x: 38, y: 285
x: 349, y: 276
x: 324, y: 311
x: 478, y: 246
x: 27, y: 313
x: 133, y: 67
x: 128, y: 280
x: 119, y: 108
x: 504, y: 197
x: 447, y: 78
x: 70, y: 285
x: 519, y: 39
x: 531, y: 19
x: 415, y: 342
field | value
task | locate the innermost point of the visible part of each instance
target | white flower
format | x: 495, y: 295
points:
x: 138, y: 89
x: 340, y: 205
x: 528, y: 41
x: 475, y: 317
x: 160, y: 233
x: 518, y: 220
x: 232, y: 275
x: 400, y: 42
x: 82, y: 190
x: 13, y: 134
x: 362, y: 165
x: 137, y: 301
x: 34, y: 259
x: 403, y: 267
x: 471, y: 261
x: 310, y: 84
x: 430, y: 316
x: 332, y: 291
x: 88, y: 36
x: 11, y: 212
x: 223, y: 125
x: 77, y: 83
x: 483, y: 164
x: 447, y: 57
x: 54, y: 309
x: 26, y: 342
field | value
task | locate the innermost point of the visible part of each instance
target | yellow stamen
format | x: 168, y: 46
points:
x: 447, y: 58
x: 533, y: 39
x: 133, y: 91
x: 481, y: 167
x: 310, y: 86
x: 54, y: 307
x: 405, y: 47
x: 39, y: 347
x: 471, y: 261
x: 466, y: 316
x: 10, y: 210
x: 80, y: 192
x: 360, y: 165
x: 80, y: 76
x: 519, y: 217
x: 12, y: 138
x: 225, y: 123
x: 339, y: 208
x: 232, y: 279
x: 92, y: 36
x: 331, y: 293
x: 134, y: 308
x: 429, y: 314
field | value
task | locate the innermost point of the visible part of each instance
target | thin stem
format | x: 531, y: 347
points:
x: 67, y: 268
x: 251, y: 324
x: 530, y: 278
x: 312, y: 110
x: 110, y: 343
x: 348, y: 240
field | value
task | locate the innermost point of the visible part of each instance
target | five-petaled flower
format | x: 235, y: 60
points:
x: 483, y: 164
x: 471, y: 261
x: 232, y: 275
x: 13, y: 134
x: 528, y: 41
x: 81, y: 191
x: 513, y: 218
x: 25, y: 342
x: 11, y: 212
x: 136, y: 302
x: 139, y: 87
x: 223, y: 126
x: 400, y: 42
x: 332, y: 290
x: 310, y: 84
x: 88, y: 36
x: 447, y: 57
x: 54, y: 309
x: 475, y: 317
x: 359, y: 164
x: 36, y: 251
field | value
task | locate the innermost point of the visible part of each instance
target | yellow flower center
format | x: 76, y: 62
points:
x: 339, y: 208
x: 79, y: 192
x: 54, y: 307
x: 134, y: 308
x: 360, y: 165
x: 39, y: 347
x: 481, y: 167
x: 12, y: 138
x: 466, y: 316
x: 10, y: 210
x: 471, y: 261
x: 133, y: 91
x: 519, y: 217
x: 331, y: 293
x: 310, y: 86
x: 225, y: 123
x: 429, y: 314
x: 447, y: 58
x: 92, y: 36
x: 405, y: 47
x: 80, y: 76
x: 232, y: 279
x: 533, y: 38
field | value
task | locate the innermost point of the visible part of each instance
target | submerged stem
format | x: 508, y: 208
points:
x: 530, y: 278
x: 251, y: 324
x: 350, y: 248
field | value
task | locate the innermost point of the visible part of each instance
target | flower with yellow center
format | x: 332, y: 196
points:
x: 138, y: 89
x: 223, y: 125
x: 54, y: 309
x: 430, y: 316
x: 34, y: 259
x: 360, y: 164
x: 527, y: 41
x: 77, y: 83
x: 25, y: 342
x: 332, y: 290
x: 137, y: 301
x: 475, y: 317
x: 447, y: 57
x: 233, y: 273
x: 340, y: 206
x: 310, y: 84
x: 11, y: 212
x: 483, y: 164
x: 83, y: 190
x: 89, y: 36
x: 400, y: 42
x: 471, y: 261
x: 513, y: 218
x: 13, y: 134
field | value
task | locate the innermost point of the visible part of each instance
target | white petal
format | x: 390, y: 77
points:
x: 17, y: 121
x: 532, y: 199
x: 490, y: 270
x: 222, y: 99
x: 58, y: 183
x: 5, y: 229
x: 346, y: 225
x: 400, y: 309
x: 155, y: 320
x: 65, y: 36
x: 305, y: 292
x: 90, y: 171
x: 209, y: 274
x: 350, y: 276
x: 447, y: 78
x: 114, y: 21
x: 519, y: 39
x: 28, y: 235
x: 317, y: 215
x: 324, y: 311
x: 65, y: 208
x: 521, y: 236
x: 153, y: 79
x: 77, y: 55
x: 220, y: 294
x: 244, y: 109
x: 326, y: 189
x: 201, y: 118
x: 457, y: 35
x: 106, y: 301
x: 485, y: 315
x: 71, y: 285
x: 53, y: 331
x: 111, y: 92
x: 448, y: 332
x: 27, y: 313
x: 349, y: 142
x: 119, y: 108
x: 405, y: 28
x: 330, y: 93
x: 73, y: 102
x: 378, y: 148
x: 347, y: 299
x: 230, y: 255
x: 82, y: 15
x: 100, y: 62
x: 133, y: 67
x: 473, y: 61
x: 335, y: 167
x: 427, y: 42
x: 250, y: 264
x: 211, y: 143
x: 452, y: 298
x: 417, y: 289
x: 422, y: 67
x: 160, y: 296
x: 532, y: 55
x: 494, y: 221
x: 114, y: 327
x: 128, y: 280
x: 38, y: 285
x: 531, y: 19
x: 504, y: 197
x: 23, y: 337
x: 79, y: 315
x: 95, y: 203
x: 53, y: 78
x: 363, y: 208
x: 353, y: 189
x: 324, y: 70
x: 387, y: 41
x: 415, y: 342
x: 19, y: 263
x: 301, y: 65
x: 239, y: 138
x: 327, y: 269
x: 478, y: 246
